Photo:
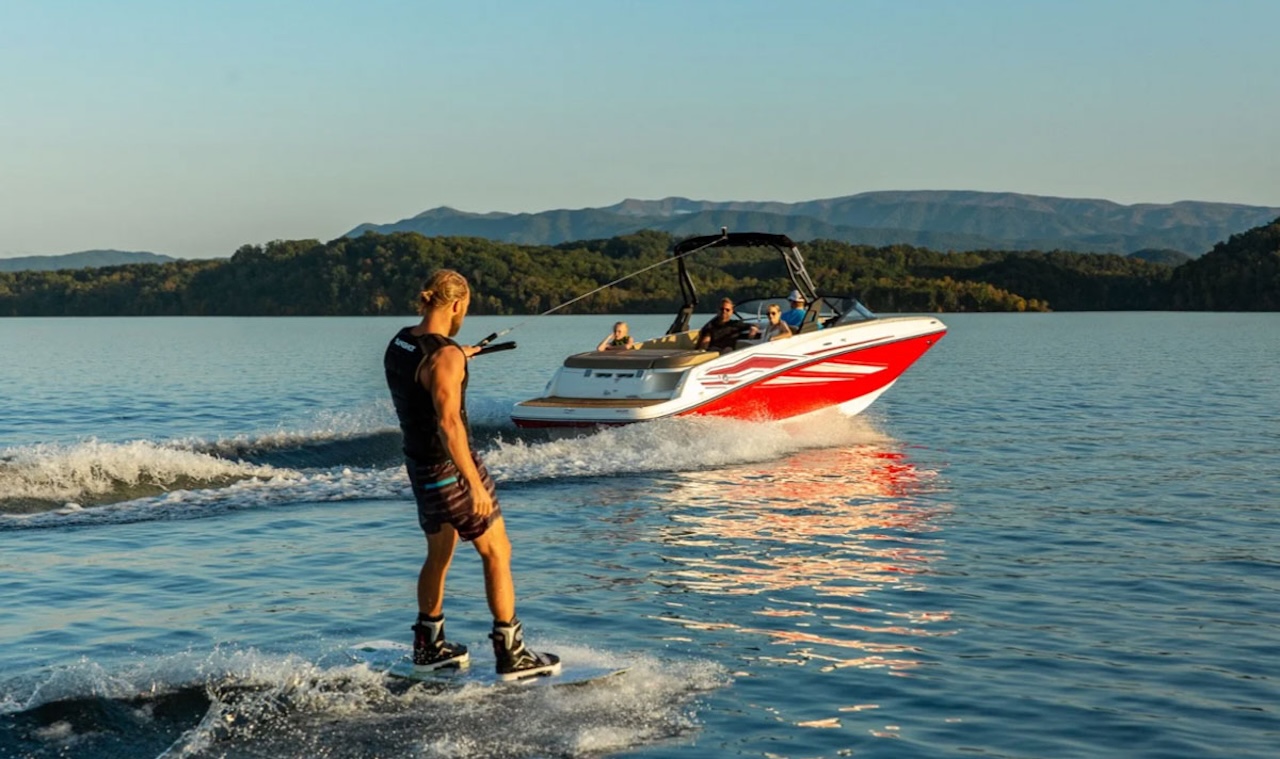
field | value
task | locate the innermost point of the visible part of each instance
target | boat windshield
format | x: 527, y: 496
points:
x: 832, y: 309
x: 850, y: 310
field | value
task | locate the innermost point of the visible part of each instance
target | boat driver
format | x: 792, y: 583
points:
x: 723, y: 331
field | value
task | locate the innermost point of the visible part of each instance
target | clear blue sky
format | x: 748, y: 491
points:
x: 193, y: 128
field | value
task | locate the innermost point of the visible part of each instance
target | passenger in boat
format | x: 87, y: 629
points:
x: 795, y: 317
x: 618, y: 340
x: 723, y: 332
x: 427, y: 375
x: 776, y: 329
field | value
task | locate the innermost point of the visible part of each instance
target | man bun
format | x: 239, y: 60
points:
x: 442, y: 288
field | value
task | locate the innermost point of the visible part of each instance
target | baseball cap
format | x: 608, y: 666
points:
x: 795, y: 296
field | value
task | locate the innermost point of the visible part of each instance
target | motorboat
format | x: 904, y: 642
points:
x: 842, y: 356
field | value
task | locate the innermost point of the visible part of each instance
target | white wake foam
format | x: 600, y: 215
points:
x: 74, y: 472
x: 347, y: 707
x: 268, y: 487
x: 663, y: 446
x: 287, y: 705
x: 673, y: 445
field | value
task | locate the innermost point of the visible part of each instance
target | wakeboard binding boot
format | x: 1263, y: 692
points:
x: 514, y: 660
x: 431, y: 651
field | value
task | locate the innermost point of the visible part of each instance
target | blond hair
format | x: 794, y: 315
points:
x: 442, y: 288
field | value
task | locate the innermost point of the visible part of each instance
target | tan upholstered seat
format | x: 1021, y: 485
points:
x: 644, y: 358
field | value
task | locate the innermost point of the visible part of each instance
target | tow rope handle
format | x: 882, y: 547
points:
x: 495, y: 348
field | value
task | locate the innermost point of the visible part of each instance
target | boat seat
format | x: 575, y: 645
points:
x: 643, y: 358
x: 682, y: 340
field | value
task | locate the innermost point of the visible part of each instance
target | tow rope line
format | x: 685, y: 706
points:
x: 724, y: 233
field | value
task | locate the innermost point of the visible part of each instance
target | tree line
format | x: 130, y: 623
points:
x: 382, y: 274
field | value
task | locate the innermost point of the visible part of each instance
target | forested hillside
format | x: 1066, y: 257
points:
x: 381, y: 274
x: 1241, y: 274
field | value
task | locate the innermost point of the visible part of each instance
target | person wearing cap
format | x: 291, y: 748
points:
x: 795, y: 316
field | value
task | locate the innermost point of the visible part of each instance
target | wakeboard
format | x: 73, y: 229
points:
x: 395, y: 659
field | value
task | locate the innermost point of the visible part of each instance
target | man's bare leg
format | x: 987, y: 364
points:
x: 513, y: 659
x: 440, y: 548
x: 430, y: 649
x: 495, y: 554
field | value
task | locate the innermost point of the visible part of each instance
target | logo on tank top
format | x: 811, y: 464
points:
x: 405, y: 345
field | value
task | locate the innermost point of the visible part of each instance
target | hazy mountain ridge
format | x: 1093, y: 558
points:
x: 82, y: 260
x: 1172, y: 258
x: 941, y: 219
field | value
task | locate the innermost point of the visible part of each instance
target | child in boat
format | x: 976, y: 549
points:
x: 618, y: 340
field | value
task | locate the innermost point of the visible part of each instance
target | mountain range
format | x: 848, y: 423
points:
x: 939, y: 219
x: 81, y: 260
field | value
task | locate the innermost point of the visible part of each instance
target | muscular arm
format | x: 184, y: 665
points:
x: 443, y: 379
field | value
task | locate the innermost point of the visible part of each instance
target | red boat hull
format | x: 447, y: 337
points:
x: 821, y: 383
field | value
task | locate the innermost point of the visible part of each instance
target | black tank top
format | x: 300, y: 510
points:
x: 406, y: 355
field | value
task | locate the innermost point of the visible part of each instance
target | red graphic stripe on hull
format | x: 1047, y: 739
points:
x: 795, y: 392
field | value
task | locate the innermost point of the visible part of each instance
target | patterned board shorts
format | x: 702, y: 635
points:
x: 444, y: 498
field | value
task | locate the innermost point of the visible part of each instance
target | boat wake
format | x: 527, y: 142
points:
x: 40, y: 477
x: 249, y: 704
x: 675, y: 445
x: 93, y: 482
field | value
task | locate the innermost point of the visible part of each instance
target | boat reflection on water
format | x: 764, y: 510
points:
x: 822, y: 553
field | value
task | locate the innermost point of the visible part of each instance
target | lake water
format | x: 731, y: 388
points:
x: 1056, y: 536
